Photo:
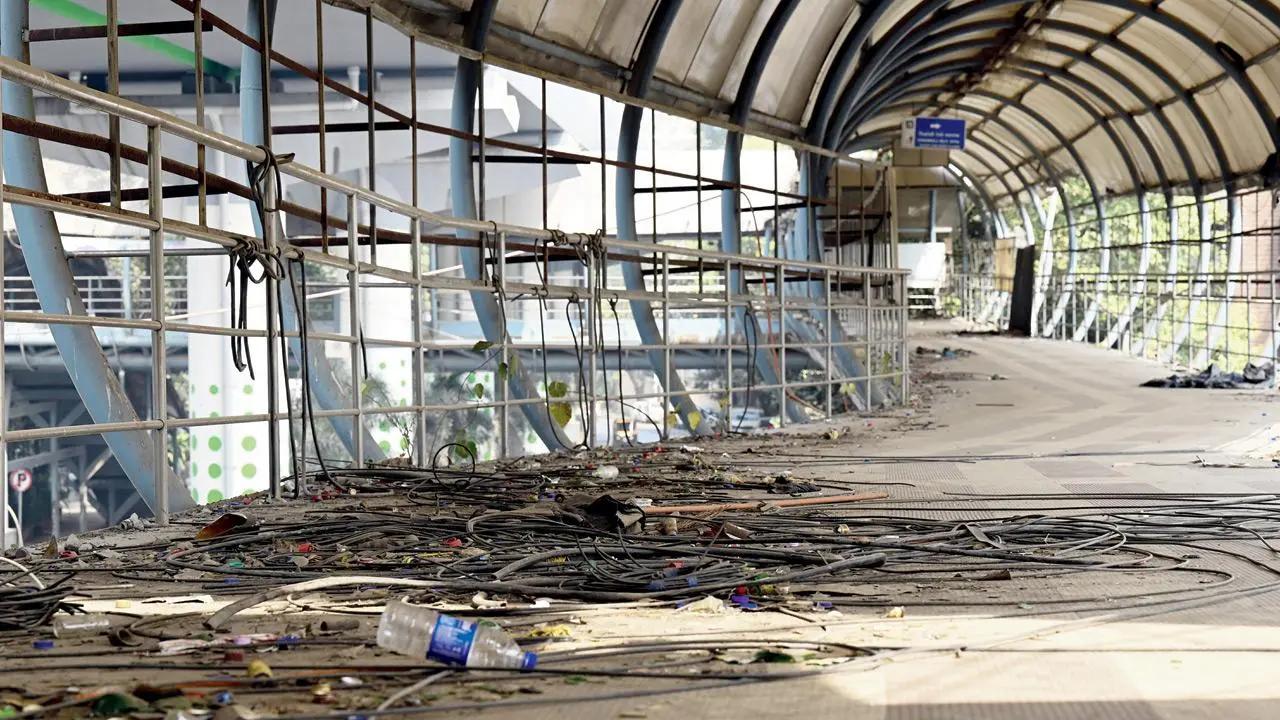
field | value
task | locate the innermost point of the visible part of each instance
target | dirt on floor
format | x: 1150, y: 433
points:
x: 708, y: 580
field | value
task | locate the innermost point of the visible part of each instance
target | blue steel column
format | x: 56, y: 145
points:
x: 41, y: 244
x: 462, y: 193
x: 625, y: 202
x: 731, y: 199
x: 253, y: 131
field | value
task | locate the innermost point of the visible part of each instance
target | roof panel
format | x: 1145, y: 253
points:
x: 1185, y: 125
x: 1228, y: 21
x: 1138, y: 152
x: 1238, y: 124
x: 1177, y: 55
x: 791, y: 75
x: 572, y: 22
x: 732, y: 43
x: 1135, y: 72
x: 1068, y: 117
x: 520, y: 14
x: 1106, y: 163
x: 707, y: 51
x: 1162, y: 143
x: 1083, y: 76
x: 617, y: 32
x: 692, y: 25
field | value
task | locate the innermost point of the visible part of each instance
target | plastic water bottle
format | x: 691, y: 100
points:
x: 85, y: 624
x: 422, y: 632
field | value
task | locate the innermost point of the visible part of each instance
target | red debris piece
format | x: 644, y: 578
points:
x: 453, y: 542
x: 223, y: 525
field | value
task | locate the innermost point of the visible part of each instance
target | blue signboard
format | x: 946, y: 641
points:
x: 929, y: 133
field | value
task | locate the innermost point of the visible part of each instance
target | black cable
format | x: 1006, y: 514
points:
x: 304, y: 363
x: 622, y: 400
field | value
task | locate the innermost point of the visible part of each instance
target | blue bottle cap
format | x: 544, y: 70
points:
x: 529, y: 661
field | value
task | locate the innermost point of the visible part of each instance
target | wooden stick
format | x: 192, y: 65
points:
x: 755, y: 504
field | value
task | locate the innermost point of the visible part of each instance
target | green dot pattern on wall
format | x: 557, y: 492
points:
x: 195, y: 495
x: 384, y: 426
x: 215, y: 471
x: 248, y: 389
x: 213, y: 389
x: 195, y: 469
x: 249, y: 443
x: 249, y: 470
x: 386, y: 446
x: 214, y: 496
x: 215, y: 443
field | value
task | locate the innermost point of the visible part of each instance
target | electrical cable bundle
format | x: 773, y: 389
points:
x: 27, y: 608
x: 543, y: 532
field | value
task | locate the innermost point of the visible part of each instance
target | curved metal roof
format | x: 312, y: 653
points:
x: 1142, y: 93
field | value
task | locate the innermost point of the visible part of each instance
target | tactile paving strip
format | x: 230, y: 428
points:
x: 1135, y: 488
x: 1055, y: 469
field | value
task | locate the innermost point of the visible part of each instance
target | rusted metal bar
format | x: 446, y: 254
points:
x: 89, y: 32
x: 371, y: 85
x: 140, y: 194
x: 113, y: 87
x: 198, y: 27
x: 391, y: 112
x: 322, y: 127
x: 347, y: 127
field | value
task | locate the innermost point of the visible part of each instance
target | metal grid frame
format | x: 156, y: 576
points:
x: 881, y: 315
x: 1189, y: 284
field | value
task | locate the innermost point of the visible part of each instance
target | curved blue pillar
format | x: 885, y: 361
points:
x: 625, y: 201
x: 731, y: 199
x: 324, y: 387
x: 462, y: 195
x: 41, y: 244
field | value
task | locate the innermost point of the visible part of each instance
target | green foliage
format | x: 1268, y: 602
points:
x: 561, y: 412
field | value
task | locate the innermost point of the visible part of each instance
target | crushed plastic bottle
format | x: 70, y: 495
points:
x: 87, y: 624
x: 425, y: 633
x: 606, y: 472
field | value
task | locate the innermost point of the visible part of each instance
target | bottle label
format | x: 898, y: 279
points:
x: 452, y: 639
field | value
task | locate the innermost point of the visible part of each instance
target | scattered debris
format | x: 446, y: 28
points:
x: 1215, y: 379
x: 707, y: 606
x: 225, y: 524
x: 133, y: 522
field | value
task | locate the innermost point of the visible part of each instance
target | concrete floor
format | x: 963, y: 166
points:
x: 1023, y: 417
x: 1213, y: 659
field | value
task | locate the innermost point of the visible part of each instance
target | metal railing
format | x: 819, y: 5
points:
x: 1190, y: 321
x: 1189, y: 284
x: 103, y: 295
x: 867, y: 356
